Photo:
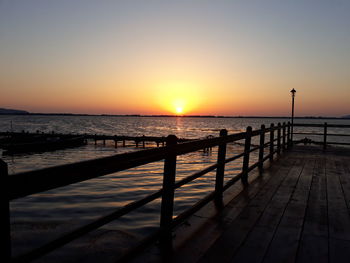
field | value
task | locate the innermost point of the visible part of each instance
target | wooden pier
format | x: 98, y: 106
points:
x: 292, y: 205
x: 134, y: 141
x: 298, y: 210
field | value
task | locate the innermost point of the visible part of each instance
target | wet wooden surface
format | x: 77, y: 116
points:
x: 297, y: 211
x: 301, y: 214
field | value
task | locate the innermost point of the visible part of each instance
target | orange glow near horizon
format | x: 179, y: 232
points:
x: 178, y: 98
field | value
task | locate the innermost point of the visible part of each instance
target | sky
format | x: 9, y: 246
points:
x: 176, y: 57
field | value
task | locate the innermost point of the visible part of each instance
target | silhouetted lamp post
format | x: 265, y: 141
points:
x: 293, y: 91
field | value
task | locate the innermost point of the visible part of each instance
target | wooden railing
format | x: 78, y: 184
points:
x: 28, y: 183
x: 325, y: 134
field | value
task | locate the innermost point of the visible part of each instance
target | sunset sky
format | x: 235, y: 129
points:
x: 166, y: 57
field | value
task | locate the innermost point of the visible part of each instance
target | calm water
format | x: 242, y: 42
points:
x: 59, y: 210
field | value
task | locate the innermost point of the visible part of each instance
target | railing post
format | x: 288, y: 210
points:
x: 272, y: 131
x: 261, y: 148
x: 279, y: 138
x: 245, y: 167
x: 5, y: 236
x: 220, y: 171
x: 325, y: 136
x: 166, y: 214
x: 284, y: 136
x: 288, y: 135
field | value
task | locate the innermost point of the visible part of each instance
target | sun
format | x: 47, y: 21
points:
x: 179, y: 98
x: 179, y: 105
x: 179, y: 110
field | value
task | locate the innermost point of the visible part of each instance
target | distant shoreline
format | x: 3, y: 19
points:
x: 172, y: 116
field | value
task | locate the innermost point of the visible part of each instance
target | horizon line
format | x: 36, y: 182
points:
x: 174, y: 115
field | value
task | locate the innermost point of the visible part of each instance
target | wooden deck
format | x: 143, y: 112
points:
x: 297, y: 211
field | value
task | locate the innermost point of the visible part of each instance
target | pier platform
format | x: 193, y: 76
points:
x: 298, y: 210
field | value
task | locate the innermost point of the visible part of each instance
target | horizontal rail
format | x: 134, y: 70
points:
x: 339, y: 143
x: 325, y: 133
x: 181, y: 217
x: 252, y: 167
x: 195, y: 176
x: 321, y: 125
x: 266, y: 157
x: 254, y: 149
x: 321, y: 134
x: 32, y: 182
x: 234, y: 158
x: 266, y: 144
x: 232, y: 181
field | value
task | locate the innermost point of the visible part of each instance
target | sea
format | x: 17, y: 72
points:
x: 39, y: 218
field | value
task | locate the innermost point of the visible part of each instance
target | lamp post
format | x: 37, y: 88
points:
x: 293, y: 91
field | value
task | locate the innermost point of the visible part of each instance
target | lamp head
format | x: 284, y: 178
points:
x: 293, y: 91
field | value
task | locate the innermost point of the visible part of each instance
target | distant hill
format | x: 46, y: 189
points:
x: 346, y: 117
x: 11, y: 111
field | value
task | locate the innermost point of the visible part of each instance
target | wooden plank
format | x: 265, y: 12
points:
x: 263, y: 232
x: 200, y: 241
x: 302, y: 230
x: 339, y: 219
x: 285, y: 243
x: 338, y: 215
x: 339, y: 250
x: 313, y: 248
x: 223, y: 249
x: 344, y: 177
x: 314, y: 241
